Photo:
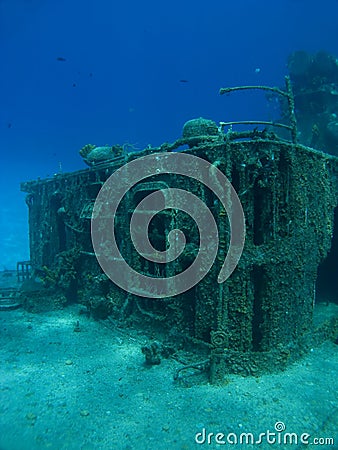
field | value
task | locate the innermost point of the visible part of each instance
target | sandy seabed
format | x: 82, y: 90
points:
x: 90, y: 390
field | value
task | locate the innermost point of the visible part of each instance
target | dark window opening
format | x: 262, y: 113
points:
x: 46, y: 254
x: 235, y: 179
x: 157, y: 232
x: 260, y: 213
x: 257, y: 320
x: 327, y: 276
x: 61, y: 231
x: 93, y: 189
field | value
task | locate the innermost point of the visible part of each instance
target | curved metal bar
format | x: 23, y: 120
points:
x: 256, y: 122
x: 223, y: 91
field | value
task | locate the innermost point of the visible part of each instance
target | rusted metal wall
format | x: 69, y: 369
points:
x: 258, y: 317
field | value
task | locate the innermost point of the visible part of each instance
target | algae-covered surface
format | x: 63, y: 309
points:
x: 69, y: 382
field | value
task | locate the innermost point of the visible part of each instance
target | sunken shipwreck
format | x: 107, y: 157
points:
x: 266, y: 314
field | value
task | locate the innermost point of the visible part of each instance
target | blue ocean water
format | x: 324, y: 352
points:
x: 112, y: 72
x: 107, y: 72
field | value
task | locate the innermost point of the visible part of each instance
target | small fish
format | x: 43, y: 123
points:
x: 61, y: 58
x: 184, y: 81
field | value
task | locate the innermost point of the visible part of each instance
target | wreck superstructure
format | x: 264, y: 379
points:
x: 257, y: 320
